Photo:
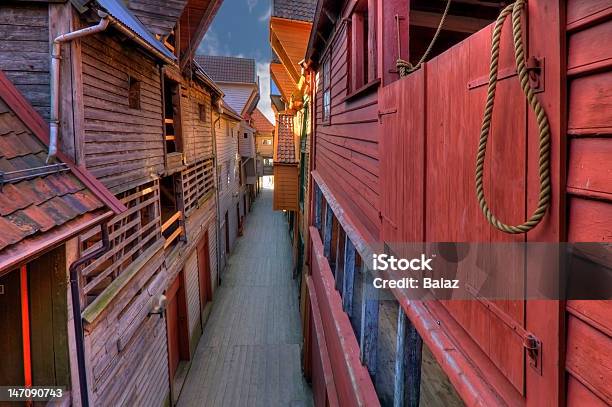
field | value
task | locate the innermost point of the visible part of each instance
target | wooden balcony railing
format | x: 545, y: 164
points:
x: 131, y: 234
x: 172, y: 229
x: 198, y: 184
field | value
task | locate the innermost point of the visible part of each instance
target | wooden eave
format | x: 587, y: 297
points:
x: 289, y: 40
x: 194, y: 22
x: 283, y: 81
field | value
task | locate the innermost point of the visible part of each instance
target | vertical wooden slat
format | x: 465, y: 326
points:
x: 357, y: 43
x: 349, y: 276
x: 318, y: 200
x: 369, y: 324
x: 372, y: 27
x: 409, y: 347
x: 327, y: 234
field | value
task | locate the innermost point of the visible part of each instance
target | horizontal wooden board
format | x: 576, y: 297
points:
x: 589, y: 220
x: 590, y: 104
x: 590, y: 164
x: 589, y: 357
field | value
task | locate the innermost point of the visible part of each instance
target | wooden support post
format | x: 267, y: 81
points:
x: 409, y: 348
x: 339, y: 266
x: 369, y: 323
x: 327, y: 234
x: 349, y: 276
x: 318, y: 201
x: 25, y: 326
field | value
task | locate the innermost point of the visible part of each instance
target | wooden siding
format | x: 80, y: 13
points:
x: 196, y: 133
x: 246, y: 145
x: 192, y: 292
x: 123, y: 147
x: 227, y: 149
x: 286, y: 185
x: 24, y: 51
x: 266, y: 151
x: 347, y: 149
x: 589, y: 188
x: 126, y: 348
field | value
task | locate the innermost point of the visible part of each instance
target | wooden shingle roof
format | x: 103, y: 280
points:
x: 38, y: 200
x: 228, y: 69
x: 302, y: 10
x: 284, y: 151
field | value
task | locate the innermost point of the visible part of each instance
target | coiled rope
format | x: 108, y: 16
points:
x: 405, y: 67
x: 543, y: 126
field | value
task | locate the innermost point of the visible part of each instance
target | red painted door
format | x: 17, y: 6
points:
x: 204, y: 272
x: 172, y: 321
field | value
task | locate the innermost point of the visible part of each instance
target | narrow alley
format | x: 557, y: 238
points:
x: 250, y: 350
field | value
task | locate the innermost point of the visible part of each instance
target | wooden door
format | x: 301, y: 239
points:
x: 204, y: 272
x: 176, y: 320
x: 11, y: 348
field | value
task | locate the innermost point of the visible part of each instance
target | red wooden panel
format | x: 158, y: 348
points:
x: 578, y: 395
x: 589, y: 49
x: 402, y: 171
x: 590, y: 164
x: 580, y: 10
x: 589, y: 357
x: 590, y: 104
x: 589, y: 220
x: 352, y: 380
x: 596, y: 313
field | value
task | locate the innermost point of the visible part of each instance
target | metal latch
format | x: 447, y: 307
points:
x: 535, y: 70
x: 533, y: 346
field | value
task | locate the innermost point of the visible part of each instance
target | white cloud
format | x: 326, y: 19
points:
x: 251, y: 4
x: 265, y: 105
x: 266, y: 16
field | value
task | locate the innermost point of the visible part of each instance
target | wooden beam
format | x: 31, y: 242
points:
x: 278, y: 48
x: 452, y: 23
x: 369, y: 323
x: 409, y: 348
x: 317, y: 195
x: 339, y: 272
x: 349, y: 276
x: 327, y: 233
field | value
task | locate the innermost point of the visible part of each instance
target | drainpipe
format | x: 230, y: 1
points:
x: 214, y: 139
x: 76, y: 311
x: 56, y: 56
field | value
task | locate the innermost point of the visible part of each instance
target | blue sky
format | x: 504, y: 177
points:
x: 241, y: 29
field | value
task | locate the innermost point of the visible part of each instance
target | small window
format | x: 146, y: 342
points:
x: 220, y: 177
x: 362, y: 39
x: 326, y: 89
x: 266, y: 142
x: 246, y: 135
x: 134, y: 93
x: 202, y: 112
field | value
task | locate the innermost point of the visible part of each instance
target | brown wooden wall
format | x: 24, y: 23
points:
x: 24, y: 51
x: 123, y: 147
x: 266, y: 151
x: 589, y: 188
x: 347, y: 148
x: 286, y: 184
x: 197, y: 135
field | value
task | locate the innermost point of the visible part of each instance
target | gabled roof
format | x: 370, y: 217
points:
x: 302, y: 10
x: 284, y: 148
x: 237, y: 96
x: 229, y: 69
x: 118, y: 10
x: 40, y: 205
x: 260, y: 122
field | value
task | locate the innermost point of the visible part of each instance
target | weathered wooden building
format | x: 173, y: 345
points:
x: 127, y: 102
x: 238, y: 80
x: 394, y: 161
x: 290, y: 27
x: 264, y: 139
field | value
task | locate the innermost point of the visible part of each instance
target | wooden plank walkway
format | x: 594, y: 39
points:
x: 249, y: 354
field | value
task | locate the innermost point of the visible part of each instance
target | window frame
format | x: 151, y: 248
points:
x: 326, y: 87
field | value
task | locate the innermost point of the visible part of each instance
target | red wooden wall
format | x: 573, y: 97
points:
x: 589, y: 188
x: 347, y: 148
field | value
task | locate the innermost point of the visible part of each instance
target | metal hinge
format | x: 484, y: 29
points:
x: 533, y: 346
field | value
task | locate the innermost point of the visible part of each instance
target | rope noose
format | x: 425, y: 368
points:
x: 405, y: 67
x: 543, y: 126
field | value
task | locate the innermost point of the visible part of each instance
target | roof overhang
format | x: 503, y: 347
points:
x: 327, y: 14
